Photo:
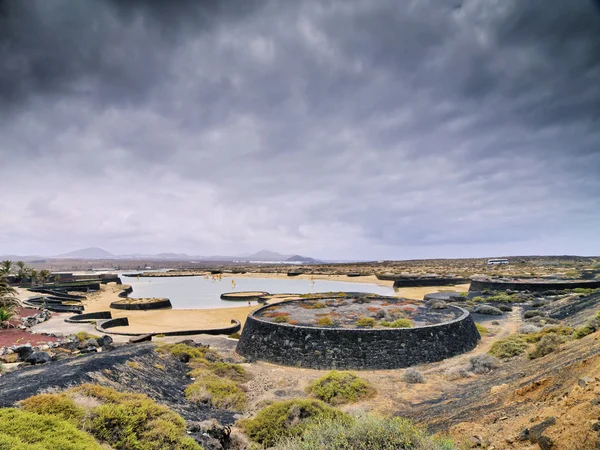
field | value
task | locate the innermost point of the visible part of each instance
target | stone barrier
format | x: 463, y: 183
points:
x: 479, y: 284
x: 355, y: 348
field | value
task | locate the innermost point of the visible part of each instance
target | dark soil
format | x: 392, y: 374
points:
x: 164, y: 385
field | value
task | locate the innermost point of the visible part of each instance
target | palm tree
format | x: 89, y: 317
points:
x: 23, y: 272
x: 5, y: 316
x: 44, y: 274
x: 34, y: 276
x: 8, y: 298
x: 5, y: 267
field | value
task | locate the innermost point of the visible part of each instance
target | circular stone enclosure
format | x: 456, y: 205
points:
x: 243, y: 296
x: 360, y: 333
x: 142, y: 304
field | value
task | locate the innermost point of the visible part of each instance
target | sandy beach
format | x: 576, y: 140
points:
x: 185, y: 319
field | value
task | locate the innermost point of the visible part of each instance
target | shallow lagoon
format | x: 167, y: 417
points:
x: 199, y: 292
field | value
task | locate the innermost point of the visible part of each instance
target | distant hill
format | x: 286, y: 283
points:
x: 303, y: 259
x: 90, y: 252
x: 267, y: 255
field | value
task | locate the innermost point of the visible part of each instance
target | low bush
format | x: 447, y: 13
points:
x: 235, y: 335
x: 528, y: 328
x: 560, y: 330
x: 25, y: 430
x: 367, y: 322
x: 482, y: 330
x: 122, y: 420
x: 529, y: 314
x: 547, y: 344
x: 84, y: 336
x: 482, y: 363
x: 288, y: 419
x: 325, y: 321
x: 499, y: 298
x: 488, y: 310
x: 59, y: 406
x: 456, y: 373
x: 234, y: 372
x: 281, y: 319
x: 337, y: 388
x: 365, y: 432
x: 413, y: 376
x: 398, y: 323
x: 218, y: 392
x: 591, y: 327
x: 508, y: 347
x: 181, y: 349
x: 318, y: 305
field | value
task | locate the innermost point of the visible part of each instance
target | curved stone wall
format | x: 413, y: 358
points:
x: 243, y: 296
x: 123, y: 322
x: 161, y: 304
x: 342, y: 348
x: 478, y: 285
x: 417, y: 282
x: 90, y: 317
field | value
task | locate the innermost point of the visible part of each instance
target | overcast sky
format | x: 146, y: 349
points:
x: 344, y: 129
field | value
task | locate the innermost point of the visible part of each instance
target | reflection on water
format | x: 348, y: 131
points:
x: 199, y: 292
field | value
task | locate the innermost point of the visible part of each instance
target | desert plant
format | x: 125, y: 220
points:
x: 367, y: 322
x: 592, y: 326
x: 530, y: 314
x: 456, y: 373
x: 288, y: 419
x: 508, y: 347
x: 337, y: 388
x: 235, y: 335
x: 365, y: 432
x: 488, y: 310
x: 281, y: 319
x: 399, y: 323
x: 413, y: 376
x: 122, y: 420
x: 482, y: 363
x: 547, y: 344
x: 482, y: 330
x: 5, y: 316
x: 325, y: 322
x: 26, y: 430
x: 318, y: 305
x: 218, y: 392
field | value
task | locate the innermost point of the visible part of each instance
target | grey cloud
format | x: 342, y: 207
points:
x: 341, y: 129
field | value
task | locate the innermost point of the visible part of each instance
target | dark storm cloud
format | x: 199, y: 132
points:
x: 338, y: 128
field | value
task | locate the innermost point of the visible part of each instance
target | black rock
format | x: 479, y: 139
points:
x: 24, y: 351
x: 38, y: 358
x: 183, y: 357
x: 88, y: 343
x: 105, y: 341
x: 545, y: 443
x: 89, y: 350
x: 142, y: 338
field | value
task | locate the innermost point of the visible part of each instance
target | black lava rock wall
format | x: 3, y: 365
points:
x: 357, y: 348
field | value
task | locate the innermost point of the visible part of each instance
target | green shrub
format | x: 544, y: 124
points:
x: 583, y: 331
x: 560, y: 330
x: 548, y: 344
x: 123, y: 420
x: 482, y: 330
x: 288, y: 419
x: 591, y: 327
x: 318, y: 305
x: 54, y: 405
x: 508, y: 347
x: 281, y: 319
x: 529, y: 314
x: 367, y: 322
x: 325, y: 321
x: 235, y: 335
x: 25, y: 430
x: 337, y: 388
x: 218, y: 392
x: 184, y: 349
x: 499, y: 298
x: 365, y: 432
x: 399, y: 323
x: 84, y: 336
x: 232, y: 371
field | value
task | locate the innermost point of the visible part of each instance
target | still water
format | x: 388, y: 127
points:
x: 199, y: 292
